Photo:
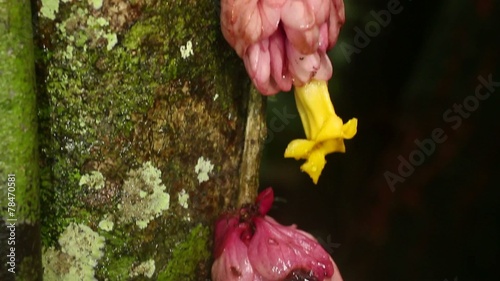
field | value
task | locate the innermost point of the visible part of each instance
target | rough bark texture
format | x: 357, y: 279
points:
x: 143, y: 113
x: 19, y: 177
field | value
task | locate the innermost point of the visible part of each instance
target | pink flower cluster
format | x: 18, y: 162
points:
x: 250, y: 246
x: 283, y: 42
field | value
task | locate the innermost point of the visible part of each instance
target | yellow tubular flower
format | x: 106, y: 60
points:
x: 324, y: 130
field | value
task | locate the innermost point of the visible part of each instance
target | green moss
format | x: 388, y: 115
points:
x: 27, y: 270
x: 62, y: 201
x: 142, y: 32
x: 119, y: 256
x: 79, y: 111
x: 18, y: 122
x: 118, y: 268
x: 187, y: 256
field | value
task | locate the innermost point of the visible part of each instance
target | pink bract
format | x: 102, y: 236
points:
x: 232, y: 262
x: 283, y: 42
x: 252, y: 246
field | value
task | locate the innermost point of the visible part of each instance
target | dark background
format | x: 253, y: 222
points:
x: 443, y: 221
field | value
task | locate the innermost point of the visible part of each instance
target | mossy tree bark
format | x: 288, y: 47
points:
x: 144, y: 113
x: 19, y: 177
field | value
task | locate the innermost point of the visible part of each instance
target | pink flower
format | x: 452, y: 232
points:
x: 283, y: 42
x: 252, y: 246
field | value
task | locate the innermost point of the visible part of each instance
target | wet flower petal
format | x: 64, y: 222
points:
x: 314, y: 165
x: 297, y: 14
x: 279, y: 69
x: 324, y: 130
x: 265, y: 200
x: 299, y: 149
x: 335, y: 21
x: 258, y: 62
x: 232, y: 263
x: 304, y: 66
x: 276, y: 250
x: 295, y: 29
x: 321, y: 10
x: 252, y: 246
x: 315, y: 107
x: 325, y: 70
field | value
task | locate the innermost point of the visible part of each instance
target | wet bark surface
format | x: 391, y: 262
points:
x: 143, y: 113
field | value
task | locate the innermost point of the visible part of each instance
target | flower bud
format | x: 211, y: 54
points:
x: 252, y: 246
x: 283, y: 42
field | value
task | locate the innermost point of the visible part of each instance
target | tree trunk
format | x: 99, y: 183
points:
x: 19, y: 172
x: 143, y: 113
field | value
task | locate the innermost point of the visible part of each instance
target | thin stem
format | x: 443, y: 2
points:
x: 255, y: 135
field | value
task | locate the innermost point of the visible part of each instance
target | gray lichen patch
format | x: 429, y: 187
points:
x: 49, y: 8
x: 106, y: 224
x: 146, y: 268
x: 81, y: 249
x: 143, y: 196
x: 94, y: 180
x: 203, y: 168
x: 96, y: 4
x: 183, y: 199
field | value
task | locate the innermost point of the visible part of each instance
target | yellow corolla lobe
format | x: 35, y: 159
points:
x: 324, y: 130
